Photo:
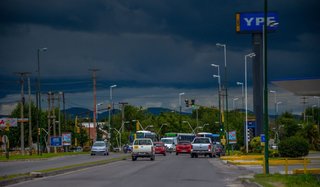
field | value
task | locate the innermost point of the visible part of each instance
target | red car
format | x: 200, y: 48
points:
x: 183, y: 147
x: 160, y: 148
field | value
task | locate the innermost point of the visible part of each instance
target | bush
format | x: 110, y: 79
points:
x: 293, y: 146
x: 255, y: 145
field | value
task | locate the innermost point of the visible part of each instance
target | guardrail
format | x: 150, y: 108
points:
x: 285, y: 162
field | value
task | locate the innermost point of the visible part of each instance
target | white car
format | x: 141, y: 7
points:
x: 99, y: 147
x: 143, y: 147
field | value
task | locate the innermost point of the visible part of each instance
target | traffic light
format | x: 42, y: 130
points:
x: 187, y: 102
x: 192, y: 102
x: 221, y: 129
x: 39, y: 131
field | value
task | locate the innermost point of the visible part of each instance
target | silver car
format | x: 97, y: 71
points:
x: 99, y: 147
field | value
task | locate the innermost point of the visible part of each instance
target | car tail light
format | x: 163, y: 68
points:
x: 209, y: 148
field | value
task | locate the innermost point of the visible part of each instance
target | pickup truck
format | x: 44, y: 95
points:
x: 201, y: 146
x: 143, y: 147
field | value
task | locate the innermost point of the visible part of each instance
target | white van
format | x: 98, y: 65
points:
x: 170, y: 143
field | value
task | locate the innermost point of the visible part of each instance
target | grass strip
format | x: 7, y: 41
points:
x: 278, y: 180
x: 35, y: 156
x: 53, y: 171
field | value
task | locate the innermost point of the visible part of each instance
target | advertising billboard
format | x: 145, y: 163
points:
x: 66, y: 139
x: 252, y: 22
x: 11, y: 122
x: 56, y: 141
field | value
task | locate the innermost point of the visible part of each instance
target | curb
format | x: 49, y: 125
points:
x: 39, y: 174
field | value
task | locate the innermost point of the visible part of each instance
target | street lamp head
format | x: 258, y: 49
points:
x: 272, y: 91
x: 273, y: 24
x: 214, y: 65
x: 220, y: 45
x: 43, y: 49
x: 181, y: 93
x: 113, y: 86
x: 251, y: 55
x: 184, y: 122
x: 216, y: 76
x: 239, y: 83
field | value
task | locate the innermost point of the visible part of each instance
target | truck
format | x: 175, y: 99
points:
x: 201, y: 146
x: 143, y: 147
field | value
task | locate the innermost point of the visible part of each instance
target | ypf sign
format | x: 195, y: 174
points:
x: 253, y: 22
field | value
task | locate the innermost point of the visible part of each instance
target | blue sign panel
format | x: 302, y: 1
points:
x: 262, y: 138
x: 253, y: 22
x: 56, y: 141
x: 251, y: 124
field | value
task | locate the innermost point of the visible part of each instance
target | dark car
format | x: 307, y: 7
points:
x: 160, y: 148
x: 183, y: 147
x: 218, y: 150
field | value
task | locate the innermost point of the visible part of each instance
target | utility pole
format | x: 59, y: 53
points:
x: 30, y: 125
x: 22, y: 75
x: 304, y: 102
x: 49, y: 121
x: 122, y: 115
x: 94, y: 100
x: 53, y: 120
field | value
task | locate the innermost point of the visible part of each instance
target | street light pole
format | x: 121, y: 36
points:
x: 226, y: 88
x: 219, y: 92
x: 180, y: 94
x: 233, y: 104
x: 111, y: 107
x: 189, y: 126
x: 38, y: 98
x: 246, y: 97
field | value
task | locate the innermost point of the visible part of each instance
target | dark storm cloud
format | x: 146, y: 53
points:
x: 168, y: 43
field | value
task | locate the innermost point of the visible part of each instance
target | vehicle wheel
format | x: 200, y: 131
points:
x: 107, y: 153
x: 164, y: 154
x: 177, y: 153
x: 152, y: 158
x: 196, y: 155
x: 210, y: 155
x: 192, y: 155
x: 134, y: 158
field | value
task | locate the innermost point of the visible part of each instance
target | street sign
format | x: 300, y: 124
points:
x: 252, y: 22
x: 56, y: 141
x: 262, y: 138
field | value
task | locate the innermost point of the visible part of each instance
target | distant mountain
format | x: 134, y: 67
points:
x: 86, y: 113
x: 159, y: 110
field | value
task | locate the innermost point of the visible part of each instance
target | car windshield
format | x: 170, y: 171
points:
x: 201, y: 140
x: 158, y: 144
x: 99, y: 144
x: 167, y: 141
x: 142, y: 142
x: 184, y: 143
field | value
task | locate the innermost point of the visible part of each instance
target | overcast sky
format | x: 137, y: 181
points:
x: 152, y: 49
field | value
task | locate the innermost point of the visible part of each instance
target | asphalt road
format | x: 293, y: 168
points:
x: 26, y: 166
x: 170, y: 170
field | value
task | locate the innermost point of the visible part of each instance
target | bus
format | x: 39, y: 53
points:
x: 215, y: 138
x: 180, y: 136
x: 170, y: 134
x: 147, y: 134
x: 185, y: 137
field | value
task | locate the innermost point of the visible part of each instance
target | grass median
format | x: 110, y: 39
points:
x: 36, y: 156
x: 278, y: 180
x: 58, y: 170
